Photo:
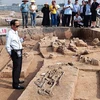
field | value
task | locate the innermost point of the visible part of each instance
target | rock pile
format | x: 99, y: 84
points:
x: 62, y: 46
x: 88, y: 60
x: 96, y: 42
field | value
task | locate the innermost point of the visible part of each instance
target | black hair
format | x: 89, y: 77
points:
x: 13, y: 22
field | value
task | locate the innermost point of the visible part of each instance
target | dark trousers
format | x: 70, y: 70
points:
x: 76, y: 24
x: 87, y: 20
x: 63, y: 21
x: 72, y: 21
x: 82, y: 15
x: 58, y: 20
x: 67, y: 20
x: 25, y: 19
x: 17, y: 65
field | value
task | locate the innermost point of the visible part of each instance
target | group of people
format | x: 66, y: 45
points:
x: 46, y: 10
x: 87, y: 14
x: 25, y: 8
x: 71, y: 14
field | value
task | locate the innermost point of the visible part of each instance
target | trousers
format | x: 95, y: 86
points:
x: 17, y: 65
x: 25, y: 19
x: 98, y: 21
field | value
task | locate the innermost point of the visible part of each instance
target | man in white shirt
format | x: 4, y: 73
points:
x: 77, y: 21
x: 67, y: 13
x: 14, y: 49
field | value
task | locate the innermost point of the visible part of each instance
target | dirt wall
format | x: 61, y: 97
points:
x: 61, y: 32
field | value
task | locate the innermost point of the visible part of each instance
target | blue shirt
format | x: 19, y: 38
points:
x: 76, y: 7
x: 24, y: 7
x: 88, y: 9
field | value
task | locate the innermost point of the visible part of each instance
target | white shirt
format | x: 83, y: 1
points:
x: 68, y: 10
x: 77, y: 18
x: 13, y: 41
x: 33, y: 7
x: 76, y: 8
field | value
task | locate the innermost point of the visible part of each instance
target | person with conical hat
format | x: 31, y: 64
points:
x: 24, y: 9
x: 33, y: 8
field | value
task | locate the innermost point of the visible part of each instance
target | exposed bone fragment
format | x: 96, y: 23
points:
x: 47, y: 82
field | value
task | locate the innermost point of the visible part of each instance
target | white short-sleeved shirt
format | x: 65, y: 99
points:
x: 33, y: 7
x: 77, y: 18
x: 68, y: 10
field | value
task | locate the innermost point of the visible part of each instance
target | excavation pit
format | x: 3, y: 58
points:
x: 80, y: 80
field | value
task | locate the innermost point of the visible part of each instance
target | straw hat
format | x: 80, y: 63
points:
x: 46, y: 3
x: 32, y: 1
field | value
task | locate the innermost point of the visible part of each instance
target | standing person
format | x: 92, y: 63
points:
x: 87, y: 12
x: 46, y: 18
x: 94, y: 12
x: 53, y: 10
x: 76, y: 9
x: 67, y: 13
x: 58, y: 15
x: 81, y: 9
x: 98, y: 16
x: 14, y: 49
x: 62, y: 16
x: 33, y: 8
x: 24, y: 9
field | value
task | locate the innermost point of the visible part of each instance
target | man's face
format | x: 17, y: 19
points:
x: 69, y: 1
x: 76, y: 1
x: 53, y: 2
x: 83, y: 2
x: 25, y: 2
x: 15, y: 27
x: 76, y: 15
x: 32, y: 3
x: 94, y: 0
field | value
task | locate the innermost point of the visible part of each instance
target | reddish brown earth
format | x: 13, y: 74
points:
x: 87, y: 87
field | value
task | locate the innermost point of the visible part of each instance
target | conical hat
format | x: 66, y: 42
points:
x: 32, y: 1
x: 24, y: 0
